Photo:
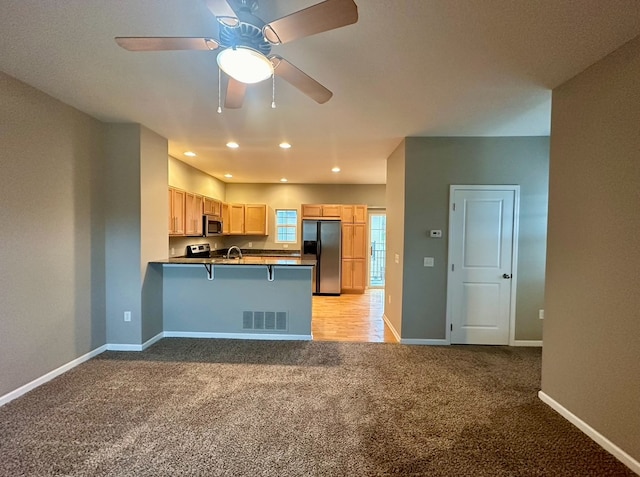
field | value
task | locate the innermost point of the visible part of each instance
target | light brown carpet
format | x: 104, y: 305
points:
x: 260, y: 408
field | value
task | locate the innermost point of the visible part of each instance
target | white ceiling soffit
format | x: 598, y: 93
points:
x: 406, y: 68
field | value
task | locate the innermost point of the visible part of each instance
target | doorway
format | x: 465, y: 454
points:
x: 483, y: 230
x: 377, y: 248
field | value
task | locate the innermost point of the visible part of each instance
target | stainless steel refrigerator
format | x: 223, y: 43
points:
x: 321, y: 241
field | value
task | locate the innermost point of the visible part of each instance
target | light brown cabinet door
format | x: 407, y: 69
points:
x: 311, y: 210
x: 236, y: 219
x: 331, y: 210
x: 193, y: 214
x: 354, y: 214
x: 360, y: 214
x: 359, y: 241
x: 353, y: 275
x: 347, y: 274
x: 212, y: 207
x: 177, y: 200
x: 255, y: 219
x: 224, y: 210
x: 354, y: 240
x: 359, y: 279
x: 347, y: 241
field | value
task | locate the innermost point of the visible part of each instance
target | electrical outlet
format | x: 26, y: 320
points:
x: 173, y: 251
x: 396, y: 258
x: 286, y: 245
x: 250, y: 245
x: 127, y: 316
x: 215, y: 246
x: 389, y: 299
x: 541, y: 314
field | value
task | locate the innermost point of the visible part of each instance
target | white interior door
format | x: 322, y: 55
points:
x: 482, y: 232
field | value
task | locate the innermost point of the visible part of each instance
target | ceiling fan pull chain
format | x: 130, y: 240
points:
x: 273, y: 91
x: 219, y: 91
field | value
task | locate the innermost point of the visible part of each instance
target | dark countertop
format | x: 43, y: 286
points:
x: 247, y: 260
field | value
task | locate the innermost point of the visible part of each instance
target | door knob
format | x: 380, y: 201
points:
x: 506, y: 275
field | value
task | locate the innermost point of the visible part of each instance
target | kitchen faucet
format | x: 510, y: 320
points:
x: 234, y: 247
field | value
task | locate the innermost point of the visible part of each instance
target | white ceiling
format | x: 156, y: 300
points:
x: 406, y: 68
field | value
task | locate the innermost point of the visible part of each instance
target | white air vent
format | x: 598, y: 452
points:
x: 265, y: 320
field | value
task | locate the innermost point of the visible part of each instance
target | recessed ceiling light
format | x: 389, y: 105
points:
x: 284, y: 179
x: 335, y: 169
x: 285, y: 145
x: 228, y: 176
x: 233, y: 145
x: 190, y: 154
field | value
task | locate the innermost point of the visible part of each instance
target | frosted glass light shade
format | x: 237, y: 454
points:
x: 245, y: 64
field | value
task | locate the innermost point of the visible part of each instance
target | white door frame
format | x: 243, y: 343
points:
x: 514, y: 255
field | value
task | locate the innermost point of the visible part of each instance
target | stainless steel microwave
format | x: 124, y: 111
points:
x: 211, y: 225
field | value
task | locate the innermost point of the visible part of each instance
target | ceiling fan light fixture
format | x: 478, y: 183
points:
x: 245, y: 64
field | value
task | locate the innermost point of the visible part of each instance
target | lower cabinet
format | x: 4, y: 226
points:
x: 354, y: 275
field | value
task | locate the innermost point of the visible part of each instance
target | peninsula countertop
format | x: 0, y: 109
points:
x: 247, y: 260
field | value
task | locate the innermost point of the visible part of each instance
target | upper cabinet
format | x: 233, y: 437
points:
x: 247, y: 219
x: 321, y: 210
x: 255, y: 219
x: 193, y: 214
x: 177, y: 199
x: 212, y: 207
x: 354, y: 214
x: 236, y: 219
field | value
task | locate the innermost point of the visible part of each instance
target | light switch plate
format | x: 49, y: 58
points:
x: 428, y: 261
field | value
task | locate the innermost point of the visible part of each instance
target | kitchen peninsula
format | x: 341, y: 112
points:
x: 255, y: 297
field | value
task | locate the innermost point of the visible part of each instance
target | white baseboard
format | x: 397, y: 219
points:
x: 391, y: 327
x: 531, y: 343
x: 50, y: 375
x: 598, y: 438
x: 236, y: 336
x: 135, y: 347
x: 411, y: 341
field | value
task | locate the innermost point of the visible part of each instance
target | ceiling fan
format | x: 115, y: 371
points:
x: 245, y: 43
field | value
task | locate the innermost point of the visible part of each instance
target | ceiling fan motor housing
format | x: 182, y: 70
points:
x: 247, y: 33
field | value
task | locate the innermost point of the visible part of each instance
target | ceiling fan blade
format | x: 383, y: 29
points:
x: 223, y: 12
x: 300, y: 80
x: 323, y: 16
x: 166, y: 43
x: 235, y: 94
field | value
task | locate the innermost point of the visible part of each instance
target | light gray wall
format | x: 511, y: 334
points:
x: 591, y: 356
x: 431, y: 166
x: 395, y: 199
x: 154, y: 240
x: 136, y: 230
x: 291, y: 196
x: 51, y: 259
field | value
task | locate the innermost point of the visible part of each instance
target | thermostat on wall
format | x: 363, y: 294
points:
x: 435, y: 233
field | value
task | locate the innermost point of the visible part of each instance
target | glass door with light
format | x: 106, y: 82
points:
x: 377, y: 248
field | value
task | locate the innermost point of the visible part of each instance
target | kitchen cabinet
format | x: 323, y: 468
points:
x: 212, y: 207
x: 354, y: 241
x: 177, y: 200
x: 321, y: 210
x: 236, y: 219
x: 255, y: 219
x: 354, y: 214
x: 193, y: 214
x: 244, y: 219
x: 353, y: 275
x: 354, y: 248
x: 224, y: 210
